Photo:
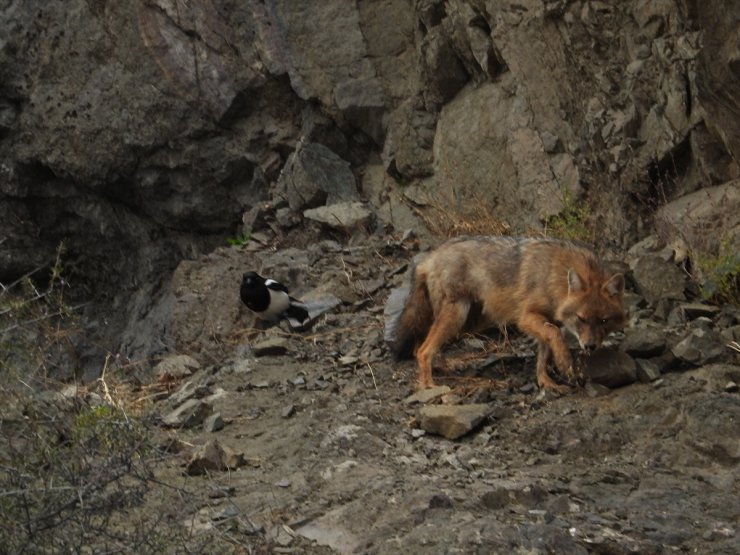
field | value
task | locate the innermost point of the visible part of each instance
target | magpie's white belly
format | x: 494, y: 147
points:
x: 279, y: 303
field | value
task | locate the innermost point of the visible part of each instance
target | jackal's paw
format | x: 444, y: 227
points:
x: 548, y: 384
x: 421, y: 385
x: 560, y: 389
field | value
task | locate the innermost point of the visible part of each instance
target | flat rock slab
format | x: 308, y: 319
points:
x: 191, y: 413
x: 342, y: 215
x: 696, y: 310
x: 452, y: 421
x: 176, y: 367
x: 318, y: 303
x: 426, y: 395
x: 273, y: 346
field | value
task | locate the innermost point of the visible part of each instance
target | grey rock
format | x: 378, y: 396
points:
x: 319, y: 303
x: 647, y: 370
x: 700, y: 346
x: 213, y: 423
x: 189, y: 390
x: 611, y: 367
x: 704, y: 220
x: 272, y: 346
x: 452, y: 421
x: 188, y: 415
x: 518, y: 189
x: 363, y: 102
x: 176, y: 367
x: 425, y: 395
x: 594, y: 390
x: 657, y: 279
x: 643, y: 342
x: 213, y: 456
x: 315, y: 176
x: 440, y: 501
x: 407, y: 151
x: 342, y: 215
x: 696, y: 310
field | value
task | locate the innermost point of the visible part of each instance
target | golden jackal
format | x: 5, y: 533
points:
x: 538, y: 284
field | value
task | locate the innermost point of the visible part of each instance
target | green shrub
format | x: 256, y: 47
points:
x: 721, y: 274
x: 240, y: 240
x: 573, y: 222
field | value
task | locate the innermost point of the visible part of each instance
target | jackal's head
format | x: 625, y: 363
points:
x: 593, y: 308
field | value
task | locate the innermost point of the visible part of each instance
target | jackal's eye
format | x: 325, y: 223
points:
x: 605, y: 320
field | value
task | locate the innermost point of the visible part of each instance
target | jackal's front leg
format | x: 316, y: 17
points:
x: 551, y: 344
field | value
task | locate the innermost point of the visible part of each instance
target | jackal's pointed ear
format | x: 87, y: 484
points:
x: 615, y: 285
x: 575, y: 283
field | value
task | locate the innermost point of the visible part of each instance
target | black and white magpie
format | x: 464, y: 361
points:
x: 270, y: 300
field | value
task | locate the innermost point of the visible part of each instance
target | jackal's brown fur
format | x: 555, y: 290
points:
x: 538, y: 284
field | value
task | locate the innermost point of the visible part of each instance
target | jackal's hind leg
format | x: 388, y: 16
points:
x: 448, y: 322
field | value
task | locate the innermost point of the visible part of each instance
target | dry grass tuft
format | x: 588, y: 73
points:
x: 448, y: 216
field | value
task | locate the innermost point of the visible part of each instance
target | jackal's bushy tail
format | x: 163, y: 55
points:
x: 410, y: 327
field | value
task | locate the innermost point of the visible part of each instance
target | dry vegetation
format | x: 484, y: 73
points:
x: 77, y: 468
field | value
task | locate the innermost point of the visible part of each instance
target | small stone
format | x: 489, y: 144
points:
x: 288, y: 411
x: 189, y: 390
x: 176, y: 367
x: 191, y: 413
x: 528, y: 388
x: 70, y: 391
x: 213, y: 456
x: 213, y: 423
x: 273, y: 346
x: 440, y: 501
x: 284, y: 483
x: 452, y: 421
x: 416, y: 433
x: 425, y: 395
x: 647, y: 370
x: 731, y: 387
x: 227, y: 513
x: 594, y: 390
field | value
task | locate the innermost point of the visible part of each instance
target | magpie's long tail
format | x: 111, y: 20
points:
x: 297, y: 314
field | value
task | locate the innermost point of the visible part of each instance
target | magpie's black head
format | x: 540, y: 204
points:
x: 253, y: 292
x: 252, y: 279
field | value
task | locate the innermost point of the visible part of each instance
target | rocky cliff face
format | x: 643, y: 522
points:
x: 140, y: 133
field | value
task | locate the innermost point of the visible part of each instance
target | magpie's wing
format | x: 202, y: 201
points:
x: 275, y: 286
